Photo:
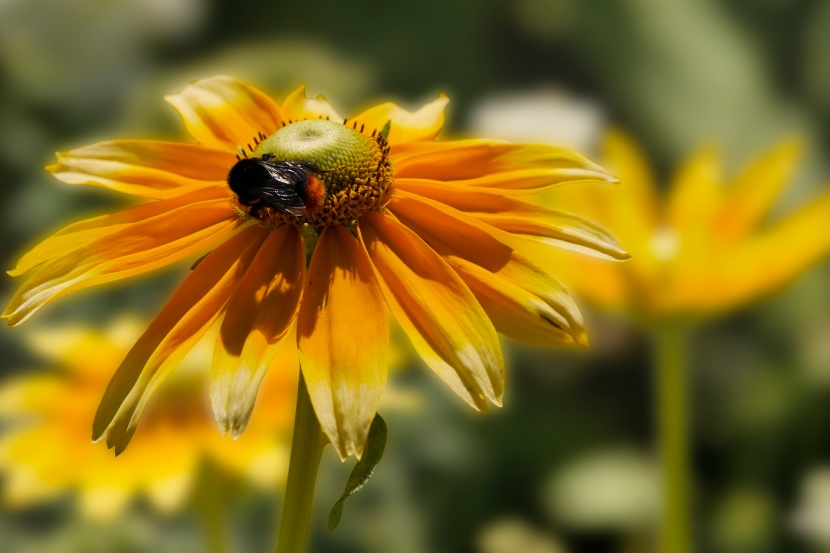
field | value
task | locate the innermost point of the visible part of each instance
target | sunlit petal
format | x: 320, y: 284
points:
x: 256, y: 326
x: 131, y: 250
x: 516, y: 216
x: 343, y: 336
x: 224, y: 113
x: 296, y: 107
x: 143, y: 168
x: 405, y: 126
x: 457, y: 236
x: 475, y: 158
x: 195, y: 305
x: 82, y: 233
x: 442, y: 318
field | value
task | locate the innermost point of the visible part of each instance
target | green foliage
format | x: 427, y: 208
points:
x: 363, y: 470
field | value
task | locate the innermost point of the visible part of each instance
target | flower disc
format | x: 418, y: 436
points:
x: 352, y: 168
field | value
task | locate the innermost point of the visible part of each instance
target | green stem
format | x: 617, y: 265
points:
x: 673, y: 428
x: 306, y: 451
x: 211, y: 502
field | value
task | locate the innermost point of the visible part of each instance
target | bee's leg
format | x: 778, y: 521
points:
x: 255, y: 210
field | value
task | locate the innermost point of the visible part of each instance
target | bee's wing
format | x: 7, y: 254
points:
x: 281, y: 196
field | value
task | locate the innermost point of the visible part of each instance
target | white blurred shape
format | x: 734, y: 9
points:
x: 616, y: 489
x: 811, y: 518
x: 543, y: 116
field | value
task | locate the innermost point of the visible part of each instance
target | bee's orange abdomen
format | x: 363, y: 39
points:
x: 315, y: 193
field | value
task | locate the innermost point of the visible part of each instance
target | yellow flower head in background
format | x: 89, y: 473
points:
x: 703, y: 248
x: 438, y: 231
x: 45, y: 448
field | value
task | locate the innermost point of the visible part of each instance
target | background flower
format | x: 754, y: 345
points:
x: 704, y: 245
x: 45, y: 450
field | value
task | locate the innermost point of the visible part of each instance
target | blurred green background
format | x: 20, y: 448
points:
x: 569, y: 464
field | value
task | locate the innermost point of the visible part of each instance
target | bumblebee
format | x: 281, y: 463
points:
x: 288, y: 187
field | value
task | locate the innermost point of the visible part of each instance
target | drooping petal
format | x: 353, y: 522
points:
x: 296, y: 107
x: 143, y: 168
x: 224, y: 113
x: 516, y: 216
x: 82, y: 233
x: 256, y: 326
x: 530, y: 312
x: 747, y: 201
x: 343, y: 338
x: 521, y: 182
x: 763, y: 264
x: 475, y: 158
x: 632, y: 213
x: 442, y: 318
x: 406, y: 126
x: 133, y: 249
x: 195, y: 305
x: 463, y: 240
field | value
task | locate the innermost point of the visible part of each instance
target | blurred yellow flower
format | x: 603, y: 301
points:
x: 702, y: 249
x: 436, y: 230
x: 45, y: 448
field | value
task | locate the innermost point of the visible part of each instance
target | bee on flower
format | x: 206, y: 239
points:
x: 314, y: 225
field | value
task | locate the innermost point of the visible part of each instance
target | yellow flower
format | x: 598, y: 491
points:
x: 435, y: 230
x: 45, y: 448
x: 702, y: 249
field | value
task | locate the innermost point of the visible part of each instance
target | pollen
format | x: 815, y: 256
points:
x: 352, y: 172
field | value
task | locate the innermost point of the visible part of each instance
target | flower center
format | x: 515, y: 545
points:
x: 337, y: 171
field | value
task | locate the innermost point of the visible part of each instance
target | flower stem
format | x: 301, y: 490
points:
x: 211, y: 503
x: 673, y: 428
x: 306, y: 451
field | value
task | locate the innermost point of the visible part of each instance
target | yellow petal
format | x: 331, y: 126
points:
x: 762, y: 265
x: 82, y: 233
x: 133, y: 249
x: 224, y: 113
x: 143, y: 168
x: 516, y: 216
x: 405, y: 125
x: 632, y: 213
x: 343, y: 337
x: 624, y: 159
x: 524, y: 302
x: 296, y: 107
x: 195, y: 305
x: 521, y: 182
x: 696, y: 191
x: 442, y: 318
x: 475, y: 158
x: 463, y: 240
x: 255, y: 327
x: 751, y: 196
x: 607, y: 285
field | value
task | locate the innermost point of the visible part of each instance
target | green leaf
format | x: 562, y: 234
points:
x: 384, y: 132
x: 363, y: 470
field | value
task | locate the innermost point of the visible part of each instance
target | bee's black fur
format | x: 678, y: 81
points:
x: 280, y: 185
